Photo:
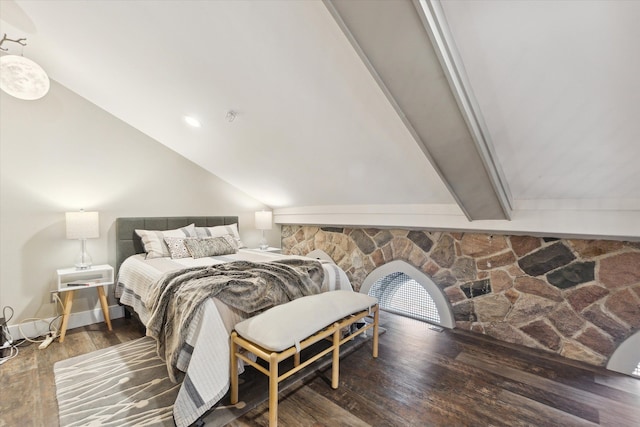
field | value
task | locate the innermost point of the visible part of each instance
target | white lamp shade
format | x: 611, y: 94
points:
x: 264, y: 220
x: 82, y: 225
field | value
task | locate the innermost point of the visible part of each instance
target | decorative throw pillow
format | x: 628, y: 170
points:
x: 177, y: 248
x: 221, y: 230
x: 213, y: 246
x: 153, y: 240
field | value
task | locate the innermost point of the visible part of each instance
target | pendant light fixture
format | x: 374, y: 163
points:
x: 20, y: 77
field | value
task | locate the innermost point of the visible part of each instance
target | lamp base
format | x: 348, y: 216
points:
x: 263, y: 243
x: 83, y: 260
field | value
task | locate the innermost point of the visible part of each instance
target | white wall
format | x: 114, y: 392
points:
x: 62, y: 153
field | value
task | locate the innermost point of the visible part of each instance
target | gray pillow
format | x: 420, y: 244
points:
x: 219, y: 231
x: 199, y: 248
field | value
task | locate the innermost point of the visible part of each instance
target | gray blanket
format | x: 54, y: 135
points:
x: 247, y: 286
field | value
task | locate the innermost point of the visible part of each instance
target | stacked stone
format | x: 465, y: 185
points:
x: 576, y: 298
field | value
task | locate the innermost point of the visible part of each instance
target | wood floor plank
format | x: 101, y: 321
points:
x: 629, y: 411
x: 458, y: 368
x: 47, y: 358
x: 25, y: 360
x: 561, y: 402
x: 301, y: 406
x: 127, y: 329
x: 562, y: 383
x: 623, y: 383
x: 403, y: 390
x: 77, y: 342
x: 100, y: 336
x: 527, y: 360
x: 536, y: 413
x: 366, y: 406
x: 19, y: 403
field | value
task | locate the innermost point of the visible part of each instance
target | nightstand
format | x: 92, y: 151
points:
x: 72, y: 279
x: 269, y: 249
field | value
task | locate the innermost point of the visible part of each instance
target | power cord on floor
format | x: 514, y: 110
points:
x: 53, y: 330
x: 7, y: 342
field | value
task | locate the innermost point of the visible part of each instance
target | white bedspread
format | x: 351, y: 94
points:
x: 205, y: 362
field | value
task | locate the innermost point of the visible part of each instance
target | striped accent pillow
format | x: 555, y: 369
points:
x: 153, y: 240
x: 219, y: 231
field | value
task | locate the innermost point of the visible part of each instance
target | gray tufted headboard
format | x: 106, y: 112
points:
x: 128, y: 242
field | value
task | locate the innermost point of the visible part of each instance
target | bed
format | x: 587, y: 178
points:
x: 200, y: 359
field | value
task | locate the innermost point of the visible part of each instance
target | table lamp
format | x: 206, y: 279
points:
x: 82, y: 226
x: 263, y: 222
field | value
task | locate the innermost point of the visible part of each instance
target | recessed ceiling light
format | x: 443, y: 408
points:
x: 192, y: 121
x: 231, y: 116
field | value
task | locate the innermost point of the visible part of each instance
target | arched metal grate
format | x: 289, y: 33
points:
x: 400, y: 294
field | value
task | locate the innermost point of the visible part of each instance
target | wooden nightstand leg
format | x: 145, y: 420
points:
x: 68, y: 302
x: 105, y: 306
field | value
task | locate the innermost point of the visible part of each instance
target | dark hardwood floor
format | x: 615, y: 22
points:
x: 421, y: 378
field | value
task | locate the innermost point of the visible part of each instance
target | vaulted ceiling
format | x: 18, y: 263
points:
x: 475, y: 115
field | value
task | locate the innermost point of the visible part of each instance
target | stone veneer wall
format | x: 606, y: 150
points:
x: 576, y: 298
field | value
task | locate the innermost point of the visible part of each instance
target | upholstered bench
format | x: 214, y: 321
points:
x: 285, y: 330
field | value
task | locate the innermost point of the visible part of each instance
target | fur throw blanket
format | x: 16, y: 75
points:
x: 250, y: 287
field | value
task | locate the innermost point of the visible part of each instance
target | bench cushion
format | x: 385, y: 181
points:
x: 285, y: 325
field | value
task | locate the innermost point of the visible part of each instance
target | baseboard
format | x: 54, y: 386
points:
x: 34, y: 329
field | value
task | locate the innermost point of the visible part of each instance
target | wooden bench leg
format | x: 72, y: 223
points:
x: 273, y: 390
x: 335, y: 368
x: 234, y: 369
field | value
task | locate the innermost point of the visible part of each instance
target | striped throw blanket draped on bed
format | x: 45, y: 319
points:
x: 250, y: 287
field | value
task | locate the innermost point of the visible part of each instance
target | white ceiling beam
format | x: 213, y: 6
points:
x: 392, y: 41
x: 435, y: 23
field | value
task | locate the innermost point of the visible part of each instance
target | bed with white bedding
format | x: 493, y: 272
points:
x: 201, y: 361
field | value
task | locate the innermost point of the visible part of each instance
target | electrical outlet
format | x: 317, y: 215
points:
x: 53, y: 296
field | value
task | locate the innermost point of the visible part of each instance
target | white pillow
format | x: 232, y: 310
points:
x: 153, y: 240
x: 219, y: 231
